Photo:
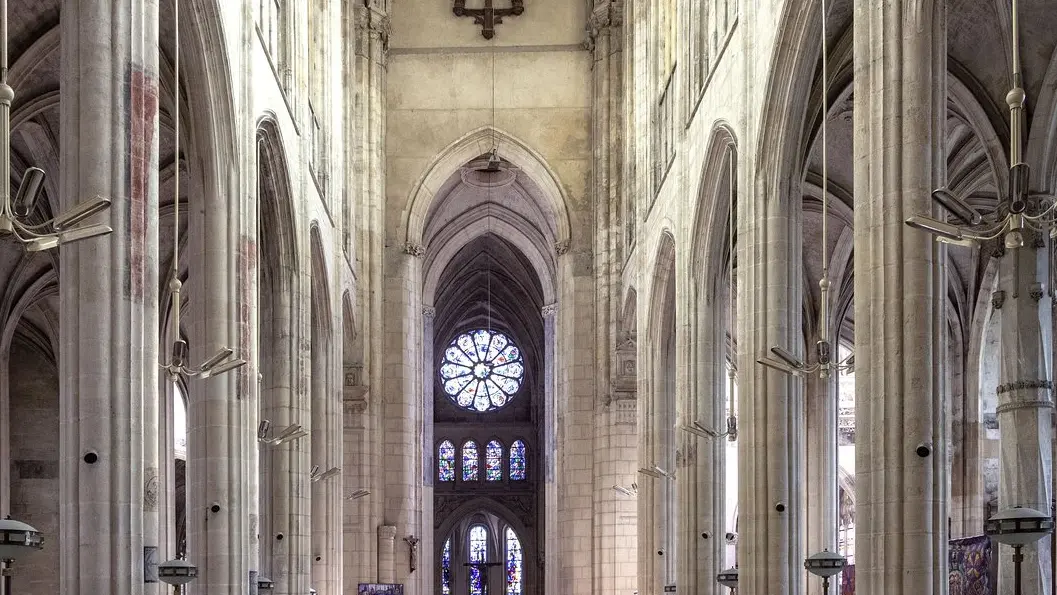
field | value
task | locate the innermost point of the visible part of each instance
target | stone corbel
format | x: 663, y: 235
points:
x: 562, y: 247
x: 413, y: 249
x: 549, y: 310
x: 429, y: 312
x: 998, y: 298
x: 354, y: 391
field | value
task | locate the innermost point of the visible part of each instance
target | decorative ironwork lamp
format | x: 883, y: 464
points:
x: 825, y: 564
x: 16, y: 540
x: 1018, y: 526
x: 729, y: 579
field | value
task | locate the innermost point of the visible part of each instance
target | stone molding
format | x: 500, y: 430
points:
x: 562, y: 247
x: 1024, y: 385
x: 549, y: 310
x: 1035, y: 404
x: 605, y: 16
x: 429, y: 312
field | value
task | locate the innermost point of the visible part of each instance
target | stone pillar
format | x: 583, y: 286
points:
x: 109, y: 295
x: 386, y: 553
x: 900, y: 109
x: 549, y: 453
x: 820, y: 468
x: 371, y: 42
x: 613, y: 512
x: 770, y: 548
x: 1025, y: 406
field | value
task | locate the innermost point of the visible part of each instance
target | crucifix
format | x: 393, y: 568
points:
x: 412, y: 542
x: 489, y: 16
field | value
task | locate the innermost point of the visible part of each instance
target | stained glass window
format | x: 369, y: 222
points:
x: 478, y: 553
x: 482, y: 370
x: 445, y: 568
x: 446, y: 461
x: 517, y: 460
x: 469, y: 461
x: 493, y: 454
x: 514, y: 563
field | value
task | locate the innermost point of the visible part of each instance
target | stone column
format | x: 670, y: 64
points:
x: 549, y: 453
x: 900, y: 108
x: 1025, y: 406
x: 109, y: 294
x: 820, y: 468
x: 770, y: 549
x: 371, y: 42
x: 386, y: 553
x: 613, y: 512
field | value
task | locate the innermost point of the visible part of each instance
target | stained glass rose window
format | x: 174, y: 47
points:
x: 482, y: 370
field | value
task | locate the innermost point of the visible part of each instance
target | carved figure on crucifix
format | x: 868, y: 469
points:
x: 412, y: 542
x: 488, y: 16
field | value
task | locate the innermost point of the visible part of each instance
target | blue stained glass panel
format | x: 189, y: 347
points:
x: 445, y: 569
x: 478, y: 553
x: 517, y: 460
x: 494, y: 461
x: 469, y: 461
x: 514, y: 563
x: 446, y: 461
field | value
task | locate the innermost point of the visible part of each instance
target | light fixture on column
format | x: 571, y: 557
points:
x: 177, y: 572
x: 632, y: 491
x: 656, y: 472
x: 358, y: 494
x: 15, y: 212
x: 178, y: 366
x: 16, y: 540
x: 825, y: 564
x: 1018, y: 527
x: 1022, y: 211
x: 729, y: 579
x: 316, y: 475
x: 264, y: 584
x: 288, y: 434
x: 784, y: 360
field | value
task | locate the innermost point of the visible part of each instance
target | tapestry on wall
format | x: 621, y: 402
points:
x: 971, y: 566
x: 847, y: 580
x: 380, y: 589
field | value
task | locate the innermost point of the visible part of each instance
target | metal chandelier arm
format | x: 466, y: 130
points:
x: 53, y: 232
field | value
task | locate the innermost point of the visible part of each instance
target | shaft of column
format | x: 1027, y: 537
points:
x: 1025, y: 406
x: 108, y: 292
x: 899, y: 154
x: 770, y: 404
x: 386, y: 553
x: 821, y: 469
x: 221, y: 480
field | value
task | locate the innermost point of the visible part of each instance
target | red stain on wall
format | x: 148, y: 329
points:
x: 246, y: 280
x: 143, y: 117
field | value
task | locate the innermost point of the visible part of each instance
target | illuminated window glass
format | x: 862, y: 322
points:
x: 494, y: 461
x: 482, y: 370
x: 446, y: 461
x: 514, y: 563
x: 469, y: 461
x: 445, y: 569
x: 478, y: 553
x: 517, y: 460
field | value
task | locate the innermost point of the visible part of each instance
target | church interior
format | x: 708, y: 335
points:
x: 527, y: 297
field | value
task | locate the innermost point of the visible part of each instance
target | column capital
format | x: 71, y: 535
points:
x: 429, y: 312
x: 549, y: 310
x: 413, y: 249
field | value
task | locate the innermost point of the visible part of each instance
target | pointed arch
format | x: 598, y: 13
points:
x: 469, y: 147
x: 278, y: 237
x: 710, y: 243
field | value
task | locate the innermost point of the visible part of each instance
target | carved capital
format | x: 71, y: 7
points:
x: 549, y: 310
x: 373, y: 22
x: 560, y: 248
x: 413, y: 249
x: 429, y: 312
x: 387, y: 532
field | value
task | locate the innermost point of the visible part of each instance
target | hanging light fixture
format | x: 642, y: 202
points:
x: 15, y: 212
x: 1022, y: 212
x: 825, y: 564
x: 178, y: 365
x: 824, y: 364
